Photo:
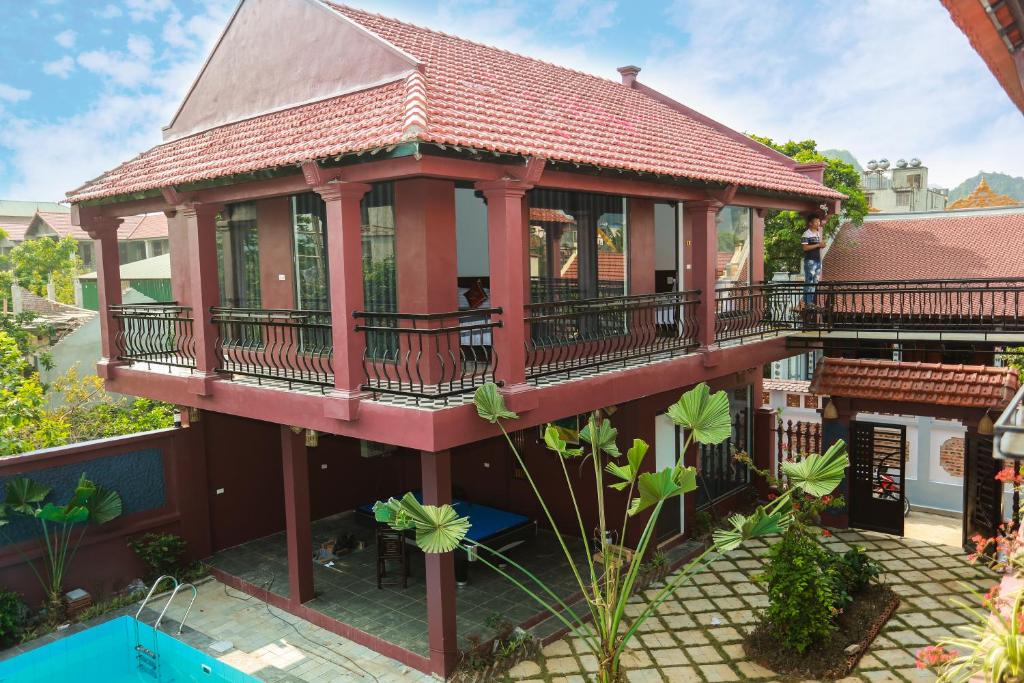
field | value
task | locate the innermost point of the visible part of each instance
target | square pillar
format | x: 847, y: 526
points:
x: 703, y: 259
x: 442, y: 631
x: 345, y: 264
x: 642, y: 248
x: 103, y: 231
x: 204, y: 289
x: 427, y: 273
x: 756, y: 256
x: 508, y: 253
x: 298, y: 526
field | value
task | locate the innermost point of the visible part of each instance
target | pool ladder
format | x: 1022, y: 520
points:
x: 149, y: 660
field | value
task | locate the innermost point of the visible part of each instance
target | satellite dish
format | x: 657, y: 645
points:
x: 872, y: 165
x: 902, y: 163
x: 883, y: 164
x: 915, y: 162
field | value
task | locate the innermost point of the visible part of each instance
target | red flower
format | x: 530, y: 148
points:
x: 826, y: 499
x: 826, y: 533
x: 772, y: 496
x: 934, y: 655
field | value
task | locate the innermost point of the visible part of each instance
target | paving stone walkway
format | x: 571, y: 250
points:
x: 697, y: 635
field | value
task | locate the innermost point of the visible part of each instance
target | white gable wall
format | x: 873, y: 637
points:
x: 276, y: 54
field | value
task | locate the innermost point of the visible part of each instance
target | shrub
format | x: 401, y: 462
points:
x: 13, y: 615
x: 856, y: 569
x: 802, y: 592
x: 161, y: 553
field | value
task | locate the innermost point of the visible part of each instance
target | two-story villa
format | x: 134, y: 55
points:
x: 369, y: 220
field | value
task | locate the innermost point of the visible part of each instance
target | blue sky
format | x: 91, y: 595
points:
x: 85, y: 84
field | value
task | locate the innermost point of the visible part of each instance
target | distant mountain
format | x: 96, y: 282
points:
x: 999, y: 182
x: 843, y: 155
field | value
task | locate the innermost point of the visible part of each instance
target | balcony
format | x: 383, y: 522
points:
x: 440, y: 359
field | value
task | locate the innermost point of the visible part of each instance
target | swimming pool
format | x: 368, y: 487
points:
x: 108, y: 653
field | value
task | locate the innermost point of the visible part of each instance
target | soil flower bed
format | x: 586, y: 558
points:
x: 836, y: 656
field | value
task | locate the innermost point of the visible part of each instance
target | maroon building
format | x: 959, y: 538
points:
x: 365, y: 232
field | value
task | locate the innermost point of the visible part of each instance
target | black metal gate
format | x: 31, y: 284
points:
x: 878, y: 457
x: 983, y: 495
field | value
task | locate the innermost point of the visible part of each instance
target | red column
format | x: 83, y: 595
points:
x: 704, y: 259
x: 509, y: 257
x: 427, y: 271
x: 442, y: 631
x: 204, y: 289
x: 298, y: 527
x: 641, y: 246
x: 757, y: 247
x: 108, y: 276
x: 345, y: 261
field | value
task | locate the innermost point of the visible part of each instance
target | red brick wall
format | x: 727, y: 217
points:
x: 951, y: 456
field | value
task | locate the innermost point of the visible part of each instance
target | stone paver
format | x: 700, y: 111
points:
x: 697, y: 635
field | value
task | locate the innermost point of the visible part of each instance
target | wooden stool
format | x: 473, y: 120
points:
x: 391, y: 546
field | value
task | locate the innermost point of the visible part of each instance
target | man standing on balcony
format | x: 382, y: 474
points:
x: 811, y: 241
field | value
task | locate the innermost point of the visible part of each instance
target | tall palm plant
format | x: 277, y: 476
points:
x: 608, y: 586
x: 62, y: 527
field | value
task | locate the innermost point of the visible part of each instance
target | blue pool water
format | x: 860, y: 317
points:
x: 107, y: 653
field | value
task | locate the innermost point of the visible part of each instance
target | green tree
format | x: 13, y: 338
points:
x: 782, y: 229
x: 35, y: 262
x: 21, y: 398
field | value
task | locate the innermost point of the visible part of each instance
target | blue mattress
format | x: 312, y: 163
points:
x: 485, y: 521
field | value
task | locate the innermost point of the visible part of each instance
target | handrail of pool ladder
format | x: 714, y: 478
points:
x: 153, y: 590
x: 188, y: 610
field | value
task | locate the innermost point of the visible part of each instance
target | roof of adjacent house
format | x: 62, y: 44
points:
x: 966, y: 386
x: 144, y: 226
x: 469, y: 95
x: 795, y: 386
x: 27, y: 209
x: 14, y: 228
x: 983, y: 196
x: 155, y: 268
x: 942, y: 245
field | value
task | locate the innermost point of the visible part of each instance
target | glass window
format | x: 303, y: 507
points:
x: 238, y: 256
x: 160, y: 247
x: 578, y: 245
x: 85, y: 252
x: 379, y: 283
x: 312, y: 278
x: 733, y: 263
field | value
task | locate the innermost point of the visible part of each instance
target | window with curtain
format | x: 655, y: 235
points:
x: 238, y: 256
x: 578, y: 245
x: 380, y: 285
x: 733, y: 225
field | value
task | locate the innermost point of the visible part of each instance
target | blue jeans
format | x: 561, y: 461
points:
x: 812, y: 271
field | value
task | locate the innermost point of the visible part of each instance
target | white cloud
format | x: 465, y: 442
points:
x: 110, y: 11
x: 11, y: 94
x: 66, y: 38
x: 61, y: 68
x: 121, y: 68
x: 146, y: 10
x: 140, y: 47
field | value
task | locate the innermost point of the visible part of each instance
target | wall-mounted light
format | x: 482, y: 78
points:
x: 312, y: 438
x: 830, y: 412
x: 193, y: 415
x: 985, y: 425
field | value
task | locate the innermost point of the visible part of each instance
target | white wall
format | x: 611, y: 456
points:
x: 665, y: 237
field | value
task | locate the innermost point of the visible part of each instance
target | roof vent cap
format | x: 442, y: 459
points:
x: 629, y: 73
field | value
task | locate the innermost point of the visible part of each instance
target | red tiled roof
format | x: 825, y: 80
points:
x: 611, y: 266
x: 966, y: 386
x: 143, y: 226
x: 940, y: 246
x: 795, y: 386
x: 15, y: 228
x: 550, y: 216
x: 474, y: 96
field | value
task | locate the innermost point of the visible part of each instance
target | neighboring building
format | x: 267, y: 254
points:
x: 328, y: 229
x: 996, y: 31
x: 983, y: 198
x: 150, y: 277
x: 139, y: 237
x: 902, y: 189
x: 15, y: 217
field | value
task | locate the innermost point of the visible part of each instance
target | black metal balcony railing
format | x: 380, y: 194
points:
x: 160, y: 334
x: 570, y: 336
x: 721, y: 475
x: 428, y: 355
x: 977, y: 305
x: 291, y: 346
